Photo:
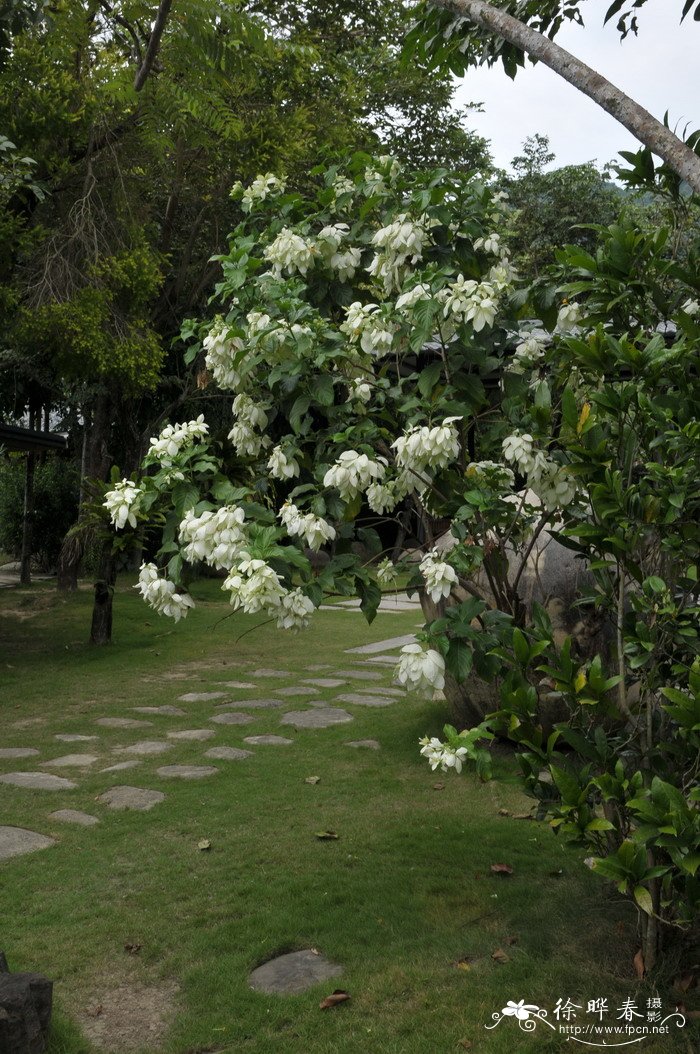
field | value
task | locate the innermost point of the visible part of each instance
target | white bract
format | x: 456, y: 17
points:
x: 313, y: 529
x: 353, y: 473
x: 438, y: 575
x: 386, y: 572
x: 161, y: 594
x: 400, y: 243
x: 261, y: 187
x: 122, y: 502
x: 470, y: 301
x: 254, y: 586
x: 528, y: 354
x: 220, y: 351
x: 359, y: 389
x: 568, y: 317
x: 295, y: 611
x: 363, y: 323
x: 441, y: 755
x: 408, y: 300
x: 173, y: 438
x: 217, y: 538
x: 282, y: 465
x: 554, y: 485
x: 290, y: 252
x: 519, y: 450
x: 420, y: 670
x: 425, y: 447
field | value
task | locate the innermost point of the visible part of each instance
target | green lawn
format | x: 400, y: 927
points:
x: 399, y: 899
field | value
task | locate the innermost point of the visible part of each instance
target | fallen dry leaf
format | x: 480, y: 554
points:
x: 337, y: 997
x: 504, y: 812
x: 523, y: 816
x: 132, y: 949
x: 500, y: 956
x: 327, y: 836
x: 502, y: 869
x: 639, y: 967
x: 204, y: 843
x: 313, y: 780
x: 438, y: 786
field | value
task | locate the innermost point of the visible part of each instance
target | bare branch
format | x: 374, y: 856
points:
x: 153, y: 44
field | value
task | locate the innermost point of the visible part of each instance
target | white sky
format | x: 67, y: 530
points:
x: 659, y: 69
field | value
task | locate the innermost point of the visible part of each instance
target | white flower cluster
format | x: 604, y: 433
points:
x: 254, y: 586
x: 353, y: 473
x: 529, y: 352
x: 379, y: 182
x: 290, y: 252
x: 438, y: 575
x: 399, y: 243
x: 313, y: 529
x: 408, y: 300
x: 261, y: 187
x: 342, y: 185
x: 343, y: 260
x: 295, y: 611
x: 568, y: 317
x: 492, y: 472
x: 491, y: 244
x: 161, y: 594
x: 425, y: 447
x: 250, y: 415
x: 470, y: 301
x: 173, y: 438
x: 553, y: 483
x: 282, y: 465
x: 691, y: 307
x: 360, y: 390
x: 441, y: 755
x: 217, y: 538
x: 384, y: 497
x: 386, y: 572
x: 122, y: 503
x: 420, y: 670
x: 502, y: 276
x: 363, y: 323
x: 220, y: 349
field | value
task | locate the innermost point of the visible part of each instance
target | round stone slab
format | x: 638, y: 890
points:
x: 192, y: 733
x: 323, y: 682
x: 122, y: 722
x: 368, y: 744
x: 365, y: 700
x: 18, y: 752
x: 72, y: 761
x: 187, y: 772
x: 359, y: 675
x: 316, y: 718
x: 232, y: 719
x: 253, y: 704
x: 228, y: 754
x: 201, y: 697
x: 83, y: 819
x: 136, y: 798
x: 270, y: 673
x: 297, y: 690
x: 168, y: 711
x: 121, y: 766
x: 147, y: 746
x: 237, y: 684
x: 293, y: 973
x: 37, y: 781
x: 73, y: 737
x: 17, y: 840
x: 267, y: 741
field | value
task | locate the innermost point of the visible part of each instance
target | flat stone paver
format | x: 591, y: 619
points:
x: 187, y: 772
x: 166, y: 711
x: 18, y: 752
x: 122, y: 722
x: 324, y: 682
x: 376, y: 689
x: 74, y: 737
x: 136, y: 798
x: 237, y: 684
x: 270, y: 673
x: 228, y: 754
x: 192, y: 734
x: 121, y: 766
x: 71, y: 761
x: 82, y: 819
x: 382, y: 660
x: 201, y: 697
x: 37, y: 781
x: 316, y: 666
x: 297, y: 690
x: 367, y: 744
x: 252, y: 704
x: 364, y: 700
x: 293, y: 973
x: 17, y: 840
x: 316, y: 718
x: 147, y: 746
x: 268, y: 741
x: 360, y: 675
x: 382, y: 645
x: 232, y: 719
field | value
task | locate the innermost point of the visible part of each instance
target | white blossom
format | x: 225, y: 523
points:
x: 408, y: 300
x: 261, y: 187
x: 254, y: 586
x: 492, y: 471
x: 383, y: 497
x: 470, y: 301
x: 122, y: 502
x: 217, y: 537
x: 421, y: 670
x: 247, y: 442
x: 528, y: 354
x: 438, y: 575
x: 554, y: 485
x: 295, y: 611
x: 363, y: 323
x: 568, y: 317
x: 173, y: 438
x: 399, y: 243
x: 426, y: 447
x: 290, y: 252
x: 161, y: 594
x: 519, y: 450
x: 346, y: 263
x: 281, y: 465
x: 353, y: 473
x: 490, y: 244
x: 380, y: 182
x: 691, y: 307
x: 313, y: 529
x: 386, y: 572
x: 359, y: 389
x: 441, y: 755
x: 220, y: 351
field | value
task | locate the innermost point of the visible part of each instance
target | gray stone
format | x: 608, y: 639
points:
x: 316, y: 718
x: 72, y: 761
x: 368, y: 744
x: 237, y: 684
x: 228, y: 754
x: 18, y: 752
x: 360, y: 675
x: 192, y: 734
x: 270, y: 673
x: 147, y: 746
x: 268, y: 741
x: 316, y: 666
x: 167, y: 711
x: 201, y: 697
x: 382, y: 660
x: 297, y: 690
x: 232, y: 719
x: 17, y: 840
x: 253, y: 704
x: 398, y: 693
x: 121, y: 766
x: 364, y: 700
x: 324, y: 682
x: 37, y: 781
x: 137, y: 798
x: 83, y: 819
x: 73, y: 737
x: 122, y: 722
x: 382, y: 645
x: 293, y: 973
x: 187, y: 772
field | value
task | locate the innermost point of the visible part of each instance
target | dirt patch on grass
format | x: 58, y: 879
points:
x: 129, y: 1016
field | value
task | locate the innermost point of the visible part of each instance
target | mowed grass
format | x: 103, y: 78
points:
x: 401, y: 897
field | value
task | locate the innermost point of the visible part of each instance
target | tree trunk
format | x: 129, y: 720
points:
x: 25, y: 574
x: 645, y: 127
x: 101, y: 629
x: 468, y: 703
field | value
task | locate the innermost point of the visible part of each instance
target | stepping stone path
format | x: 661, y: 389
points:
x: 317, y: 718
x: 359, y: 675
x: 297, y: 690
x: 382, y: 645
x: 253, y: 704
x: 201, y: 697
x: 232, y: 719
x: 364, y: 700
x: 147, y: 746
x: 237, y: 684
x: 193, y: 734
x: 318, y: 666
x: 167, y: 711
x: 17, y: 840
x: 324, y: 682
x: 121, y: 766
x: 268, y: 741
x: 398, y: 693
x: 37, y: 781
x: 18, y: 752
x: 136, y: 798
x: 83, y: 819
x: 270, y: 673
x: 383, y: 660
x: 293, y: 973
x: 72, y: 761
x: 228, y: 754
x: 369, y: 744
x: 73, y: 737
x: 122, y: 722
x: 187, y: 772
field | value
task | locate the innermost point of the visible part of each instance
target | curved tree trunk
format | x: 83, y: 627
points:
x: 643, y: 125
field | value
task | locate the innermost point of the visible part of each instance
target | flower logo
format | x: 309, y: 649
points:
x: 520, y: 1010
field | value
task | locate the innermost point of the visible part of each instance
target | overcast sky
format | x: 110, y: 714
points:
x: 660, y: 69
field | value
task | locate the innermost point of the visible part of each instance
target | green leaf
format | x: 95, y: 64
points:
x: 643, y: 899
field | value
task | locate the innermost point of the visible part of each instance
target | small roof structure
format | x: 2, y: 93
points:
x: 14, y: 437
